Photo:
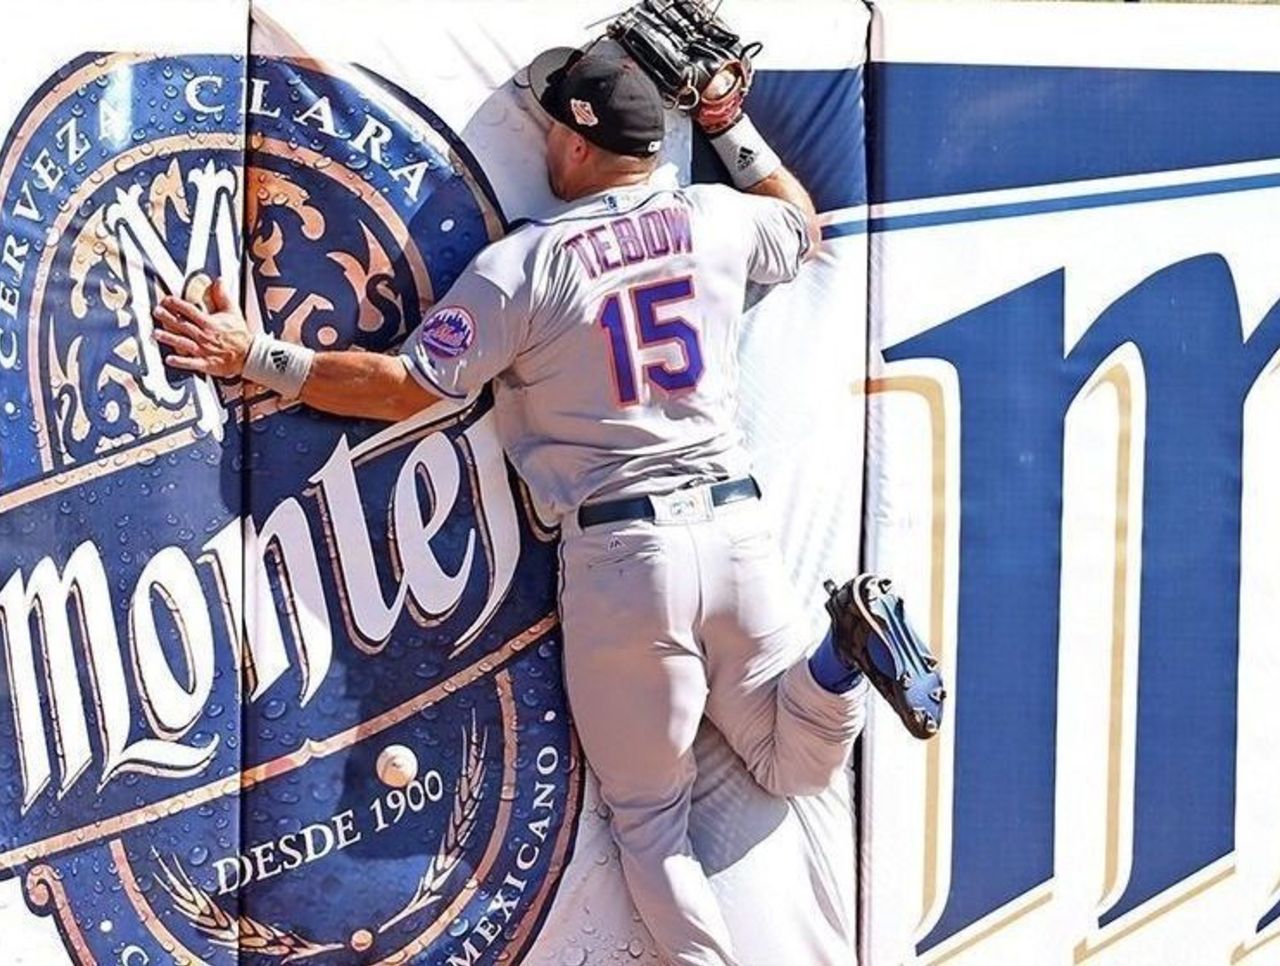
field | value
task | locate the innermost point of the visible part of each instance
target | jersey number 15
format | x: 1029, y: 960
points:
x: 646, y: 301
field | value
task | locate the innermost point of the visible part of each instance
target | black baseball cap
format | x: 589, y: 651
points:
x: 604, y: 97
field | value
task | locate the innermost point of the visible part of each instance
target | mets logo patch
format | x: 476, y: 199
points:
x: 448, y: 332
x: 274, y: 686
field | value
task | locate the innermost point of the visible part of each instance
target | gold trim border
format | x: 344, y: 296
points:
x: 44, y: 887
x: 931, y: 391
x: 1251, y: 945
x: 555, y: 871
x: 1004, y: 917
x: 1118, y: 378
x: 1113, y: 933
x: 146, y: 915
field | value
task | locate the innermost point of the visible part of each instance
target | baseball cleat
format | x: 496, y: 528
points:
x: 870, y: 632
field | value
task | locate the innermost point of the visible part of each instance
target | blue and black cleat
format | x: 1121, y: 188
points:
x: 870, y: 631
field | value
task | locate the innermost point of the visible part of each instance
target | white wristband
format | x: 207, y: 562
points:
x: 282, y: 366
x: 745, y: 153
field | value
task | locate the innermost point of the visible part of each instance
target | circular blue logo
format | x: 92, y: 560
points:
x: 448, y: 332
x: 278, y: 686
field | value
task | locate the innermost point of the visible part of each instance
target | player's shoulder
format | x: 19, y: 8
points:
x: 506, y: 261
x: 730, y: 210
x: 527, y: 256
x: 714, y: 197
x: 711, y: 192
x: 723, y: 200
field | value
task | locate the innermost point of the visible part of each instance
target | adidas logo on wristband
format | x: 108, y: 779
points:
x: 282, y: 366
x: 745, y: 154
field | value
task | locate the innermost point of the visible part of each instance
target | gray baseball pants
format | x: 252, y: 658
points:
x: 664, y: 623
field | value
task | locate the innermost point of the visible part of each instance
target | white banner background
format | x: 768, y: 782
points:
x: 925, y: 276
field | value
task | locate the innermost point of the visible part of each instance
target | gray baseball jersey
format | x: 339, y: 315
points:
x: 611, y: 331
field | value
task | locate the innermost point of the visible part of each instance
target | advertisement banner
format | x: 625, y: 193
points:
x: 280, y: 686
x: 1074, y: 328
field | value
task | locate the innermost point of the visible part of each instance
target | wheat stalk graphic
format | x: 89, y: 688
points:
x: 458, y: 830
x: 236, y: 932
x: 251, y: 935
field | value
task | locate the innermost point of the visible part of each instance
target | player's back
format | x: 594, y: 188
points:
x: 623, y: 377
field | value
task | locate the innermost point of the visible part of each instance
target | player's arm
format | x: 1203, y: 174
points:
x: 753, y: 165
x: 774, y: 211
x: 368, y: 385
x: 218, y: 342
x: 782, y: 184
x: 447, y: 356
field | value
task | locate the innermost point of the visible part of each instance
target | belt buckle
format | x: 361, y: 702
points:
x: 691, y: 505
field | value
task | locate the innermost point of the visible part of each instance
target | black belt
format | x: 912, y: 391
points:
x: 639, y: 507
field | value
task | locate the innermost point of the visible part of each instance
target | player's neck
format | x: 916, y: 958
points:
x: 603, y: 182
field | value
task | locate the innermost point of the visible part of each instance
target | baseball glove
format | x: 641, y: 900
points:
x: 701, y: 66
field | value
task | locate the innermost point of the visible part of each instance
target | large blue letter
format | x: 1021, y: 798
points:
x: 1015, y: 387
x: 1186, y: 325
x: 1014, y: 392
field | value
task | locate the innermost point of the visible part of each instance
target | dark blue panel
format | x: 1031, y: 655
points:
x: 956, y: 129
x: 813, y: 119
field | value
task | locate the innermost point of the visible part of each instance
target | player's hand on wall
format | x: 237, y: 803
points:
x: 214, y: 341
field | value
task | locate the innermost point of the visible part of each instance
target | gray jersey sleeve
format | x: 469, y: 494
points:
x: 779, y: 239
x: 470, y: 336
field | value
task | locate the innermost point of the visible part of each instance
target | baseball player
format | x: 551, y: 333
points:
x: 610, y: 332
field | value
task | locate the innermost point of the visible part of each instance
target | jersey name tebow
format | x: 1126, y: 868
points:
x: 613, y: 340
x: 630, y: 239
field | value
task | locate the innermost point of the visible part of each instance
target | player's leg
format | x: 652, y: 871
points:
x: 793, y: 733
x: 637, y: 688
